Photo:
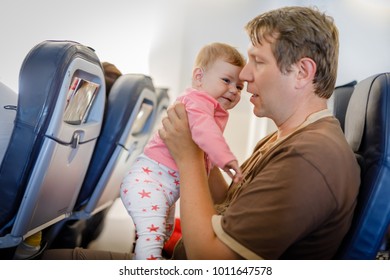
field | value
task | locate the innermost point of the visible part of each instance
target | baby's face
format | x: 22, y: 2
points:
x: 221, y: 80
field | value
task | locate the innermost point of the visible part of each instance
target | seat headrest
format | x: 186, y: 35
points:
x: 369, y: 96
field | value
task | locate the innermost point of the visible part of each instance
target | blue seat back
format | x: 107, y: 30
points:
x: 47, y: 158
x: 367, y: 129
x: 130, y: 115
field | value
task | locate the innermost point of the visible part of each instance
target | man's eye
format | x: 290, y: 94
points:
x: 258, y: 61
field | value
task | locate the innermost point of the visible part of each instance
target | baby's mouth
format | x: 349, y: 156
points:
x: 228, y: 99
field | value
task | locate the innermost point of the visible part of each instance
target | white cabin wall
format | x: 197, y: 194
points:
x: 160, y: 38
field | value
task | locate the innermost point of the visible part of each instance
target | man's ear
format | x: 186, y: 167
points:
x: 306, y: 71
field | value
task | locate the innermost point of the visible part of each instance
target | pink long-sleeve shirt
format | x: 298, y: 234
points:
x: 207, y: 121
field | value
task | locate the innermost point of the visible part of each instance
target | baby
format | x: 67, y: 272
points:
x: 151, y: 188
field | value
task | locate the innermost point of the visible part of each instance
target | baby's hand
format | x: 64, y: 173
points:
x: 233, y: 170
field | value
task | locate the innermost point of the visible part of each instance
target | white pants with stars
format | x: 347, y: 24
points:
x: 149, y: 192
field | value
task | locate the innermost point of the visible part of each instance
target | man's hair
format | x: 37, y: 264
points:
x: 212, y: 52
x: 298, y: 32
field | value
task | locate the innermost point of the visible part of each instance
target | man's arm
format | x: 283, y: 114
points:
x: 218, y: 185
x: 196, y: 203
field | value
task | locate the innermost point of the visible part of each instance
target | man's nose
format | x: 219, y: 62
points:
x: 244, y: 74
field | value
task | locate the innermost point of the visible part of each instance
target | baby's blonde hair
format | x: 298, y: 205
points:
x: 214, y: 51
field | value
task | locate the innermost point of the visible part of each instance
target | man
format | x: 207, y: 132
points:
x: 300, y: 185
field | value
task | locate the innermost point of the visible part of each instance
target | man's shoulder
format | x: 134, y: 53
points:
x: 323, y: 143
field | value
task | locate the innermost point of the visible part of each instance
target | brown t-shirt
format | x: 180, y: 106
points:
x: 297, y: 198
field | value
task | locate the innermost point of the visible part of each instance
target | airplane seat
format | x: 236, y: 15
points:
x: 131, y: 110
x: 9, y: 100
x: 367, y: 129
x: 340, y: 100
x: 130, y: 116
x: 58, y: 120
x: 94, y: 225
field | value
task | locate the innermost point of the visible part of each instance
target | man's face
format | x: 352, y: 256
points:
x: 272, y: 91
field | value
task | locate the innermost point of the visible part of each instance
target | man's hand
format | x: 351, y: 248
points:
x: 176, y: 134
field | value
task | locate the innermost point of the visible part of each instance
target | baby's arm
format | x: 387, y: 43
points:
x: 233, y: 170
